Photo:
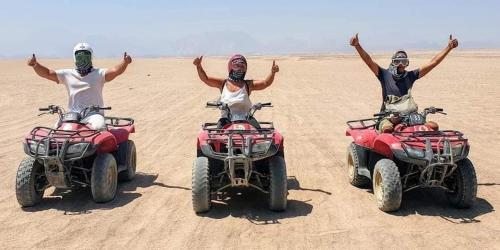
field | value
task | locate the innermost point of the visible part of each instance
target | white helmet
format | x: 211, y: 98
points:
x: 83, y: 46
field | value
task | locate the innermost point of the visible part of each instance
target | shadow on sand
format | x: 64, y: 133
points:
x: 432, y: 202
x: 79, y: 200
x: 252, y: 205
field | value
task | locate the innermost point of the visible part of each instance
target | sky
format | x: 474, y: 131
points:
x: 148, y: 28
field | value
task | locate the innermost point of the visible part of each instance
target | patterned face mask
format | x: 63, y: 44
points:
x: 83, y: 62
x: 399, y: 58
x: 237, y: 75
x: 237, y: 67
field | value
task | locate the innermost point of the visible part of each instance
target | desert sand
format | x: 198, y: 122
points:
x: 313, y: 96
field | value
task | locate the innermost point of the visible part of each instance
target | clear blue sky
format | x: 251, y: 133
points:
x: 153, y: 28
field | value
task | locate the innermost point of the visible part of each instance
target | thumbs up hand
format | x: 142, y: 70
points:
x: 354, y: 40
x: 197, y: 61
x: 275, y: 68
x: 32, y: 61
x: 126, y: 58
x: 452, y: 42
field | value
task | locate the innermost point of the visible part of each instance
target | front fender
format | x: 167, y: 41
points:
x: 385, y: 143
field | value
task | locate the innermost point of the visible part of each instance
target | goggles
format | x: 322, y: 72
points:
x: 400, y: 61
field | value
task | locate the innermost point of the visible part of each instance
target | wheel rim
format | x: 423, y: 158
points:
x: 350, y: 166
x: 378, y: 186
x: 109, y: 178
x: 133, y: 161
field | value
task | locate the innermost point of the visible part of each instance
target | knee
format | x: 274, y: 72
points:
x: 432, y: 125
x: 387, y: 128
x: 97, y: 122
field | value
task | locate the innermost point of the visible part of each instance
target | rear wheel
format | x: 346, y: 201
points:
x: 355, y: 179
x: 104, y: 178
x: 387, y: 185
x: 131, y: 160
x: 464, y: 191
x: 30, y: 182
x: 278, y: 190
x: 201, y: 185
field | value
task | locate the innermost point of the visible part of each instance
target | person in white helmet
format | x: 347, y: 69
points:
x: 84, y: 83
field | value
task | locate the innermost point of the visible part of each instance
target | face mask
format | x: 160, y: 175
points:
x: 235, y: 75
x: 83, y: 62
x: 400, y: 58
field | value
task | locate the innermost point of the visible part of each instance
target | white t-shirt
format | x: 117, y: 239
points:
x: 82, y: 91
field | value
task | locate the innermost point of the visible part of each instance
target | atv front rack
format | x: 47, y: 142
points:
x: 212, y: 127
x: 238, y: 149
x: 363, y: 123
x: 251, y: 144
x: 50, y: 143
x: 440, y: 154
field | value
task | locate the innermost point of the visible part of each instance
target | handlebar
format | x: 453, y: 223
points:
x: 385, y: 113
x: 55, y: 109
x: 214, y: 104
x: 429, y: 110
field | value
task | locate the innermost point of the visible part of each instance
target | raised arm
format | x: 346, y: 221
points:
x: 42, y: 70
x: 118, y: 69
x: 208, y: 80
x: 262, y: 84
x: 362, y: 53
x: 452, y: 43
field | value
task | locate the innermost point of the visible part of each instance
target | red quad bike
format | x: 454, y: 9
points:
x: 413, y: 156
x: 73, y: 155
x: 241, y: 154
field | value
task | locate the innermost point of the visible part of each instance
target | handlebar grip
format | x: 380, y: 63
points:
x: 266, y: 104
x: 43, y: 109
x: 439, y: 110
x: 105, y: 108
x: 212, y: 104
x: 379, y: 114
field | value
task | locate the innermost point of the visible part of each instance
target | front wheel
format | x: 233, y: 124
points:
x: 387, y: 185
x: 104, y: 178
x: 464, y: 188
x: 30, y: 182
x: 278, y: 190
x: 200, y: 181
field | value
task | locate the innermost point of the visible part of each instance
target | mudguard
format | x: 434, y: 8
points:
x: 385, y: 143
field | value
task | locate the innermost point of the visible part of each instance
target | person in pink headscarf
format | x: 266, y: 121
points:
x: 235, y: 90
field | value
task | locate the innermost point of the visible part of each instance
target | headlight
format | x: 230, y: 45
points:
x: 457, y: 151
x: 261, y: 147
x: 415, y: 152
x: 76, y: 148
x: 41, y: 148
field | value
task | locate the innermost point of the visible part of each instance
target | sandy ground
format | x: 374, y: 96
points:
x: 313, y: 97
